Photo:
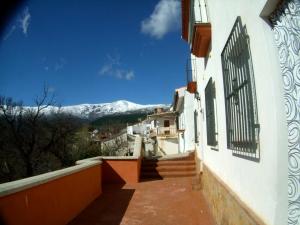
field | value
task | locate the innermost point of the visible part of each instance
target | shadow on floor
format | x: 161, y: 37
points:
x: 108, y: 209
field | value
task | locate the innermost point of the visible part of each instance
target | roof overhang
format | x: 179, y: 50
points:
x: 162, y: 115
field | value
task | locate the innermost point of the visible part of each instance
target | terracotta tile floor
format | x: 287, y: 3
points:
x: 161, y: 202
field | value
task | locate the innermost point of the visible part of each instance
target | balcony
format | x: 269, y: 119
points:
x: 185, y: 12
x: 192, y: 87
x: 200, y: 29
x: 191, y: 76
x: 163, y: 132
x: 196, y: 28
x: 166, y: 131
x: 107, y: 190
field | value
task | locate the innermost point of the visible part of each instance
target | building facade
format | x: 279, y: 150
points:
x: 183, y: 106
x: 245, y: 80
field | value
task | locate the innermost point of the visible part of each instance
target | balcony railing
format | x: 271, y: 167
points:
x: 163, y: 131
x: 199, y: 28
x: 191, y: 75
x: 166, y: 131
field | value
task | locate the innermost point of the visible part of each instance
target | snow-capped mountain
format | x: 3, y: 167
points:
x: 93, y: 111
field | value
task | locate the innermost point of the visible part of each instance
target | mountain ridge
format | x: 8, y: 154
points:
x: 94, y: 111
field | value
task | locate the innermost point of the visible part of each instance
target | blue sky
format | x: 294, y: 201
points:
x: 94, y: 51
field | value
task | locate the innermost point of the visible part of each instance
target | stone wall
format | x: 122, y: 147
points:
x: 226, y: 207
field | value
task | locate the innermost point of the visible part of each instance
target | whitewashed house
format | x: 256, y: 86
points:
x: 245, y: 63
x: 141, y: 128
x: 164, y: 131
x: 183, y: 105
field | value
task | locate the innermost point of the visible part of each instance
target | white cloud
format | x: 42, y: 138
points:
x: 105, y: 69
x: 165, y: 18
x: 60, y: 64
x: 112, y: 62
x: 21, y: 23
x: 10, y: 32
x: 25, y: 21
x: 129, y: 75
x: 113, y: 68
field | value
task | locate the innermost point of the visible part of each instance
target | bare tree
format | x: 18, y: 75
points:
x: 33, y: 134
x: 23, y: 124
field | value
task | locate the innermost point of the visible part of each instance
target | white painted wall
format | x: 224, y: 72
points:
x: 189, y: 135
x: 181, y: 127
x: 130, y: 130
x: 261, y: 185
x: 181, y: 142
x: 167, y: 146
x: 160, y: 124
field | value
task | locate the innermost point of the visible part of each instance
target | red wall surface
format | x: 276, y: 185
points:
x: 54, y: 203
x: 121, y: 171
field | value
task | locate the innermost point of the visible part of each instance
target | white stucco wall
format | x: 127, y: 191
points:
x: 261, y: 185
x: 130, y: 130
x: 181, y: 127
x: 189, y: 135
x: 168, y: 146
x: 160, y: 124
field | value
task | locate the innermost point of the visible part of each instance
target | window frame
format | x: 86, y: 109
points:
x: 210, y: 96
x: 242, y: 126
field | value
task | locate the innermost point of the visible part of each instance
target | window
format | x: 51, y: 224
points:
x: 210, y: 113
x: 240, y: 97
x: 166, y: 123
x: 196, y: 126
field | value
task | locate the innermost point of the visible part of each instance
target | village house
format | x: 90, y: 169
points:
x: 163, y: 129
x: 183, y: 106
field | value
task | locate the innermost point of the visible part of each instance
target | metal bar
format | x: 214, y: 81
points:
x: 239, y: 94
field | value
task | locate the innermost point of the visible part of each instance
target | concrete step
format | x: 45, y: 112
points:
x: 178, y: 165
x: 168, y: 174
x: 167, y: 162
x: 183, y: 167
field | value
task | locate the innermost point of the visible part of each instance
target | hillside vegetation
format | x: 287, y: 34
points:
x: 121, y: 119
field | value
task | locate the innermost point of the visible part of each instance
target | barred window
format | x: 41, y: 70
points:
x: 210, y: 113
x: 240, y: 95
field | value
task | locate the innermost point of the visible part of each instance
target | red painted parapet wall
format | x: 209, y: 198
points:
x: 57, y: 197
x: 54, y: 202
x: 121, y: 170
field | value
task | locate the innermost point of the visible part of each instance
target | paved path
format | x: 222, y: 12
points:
x: 161, y: 202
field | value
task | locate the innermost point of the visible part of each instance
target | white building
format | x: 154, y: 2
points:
x: 164, y: 131
x: 141, y: 128
x: 245, y: 76
x: 184, y: 107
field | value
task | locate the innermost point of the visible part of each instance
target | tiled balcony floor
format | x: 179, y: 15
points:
x: 159, y: 202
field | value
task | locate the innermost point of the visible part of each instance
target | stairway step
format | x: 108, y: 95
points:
x: 168, y: 162
x: 166, y: 174
x: 169, y: 168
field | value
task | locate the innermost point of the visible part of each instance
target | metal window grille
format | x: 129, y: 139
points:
x: 240, y: 95
x: 210, y: 113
